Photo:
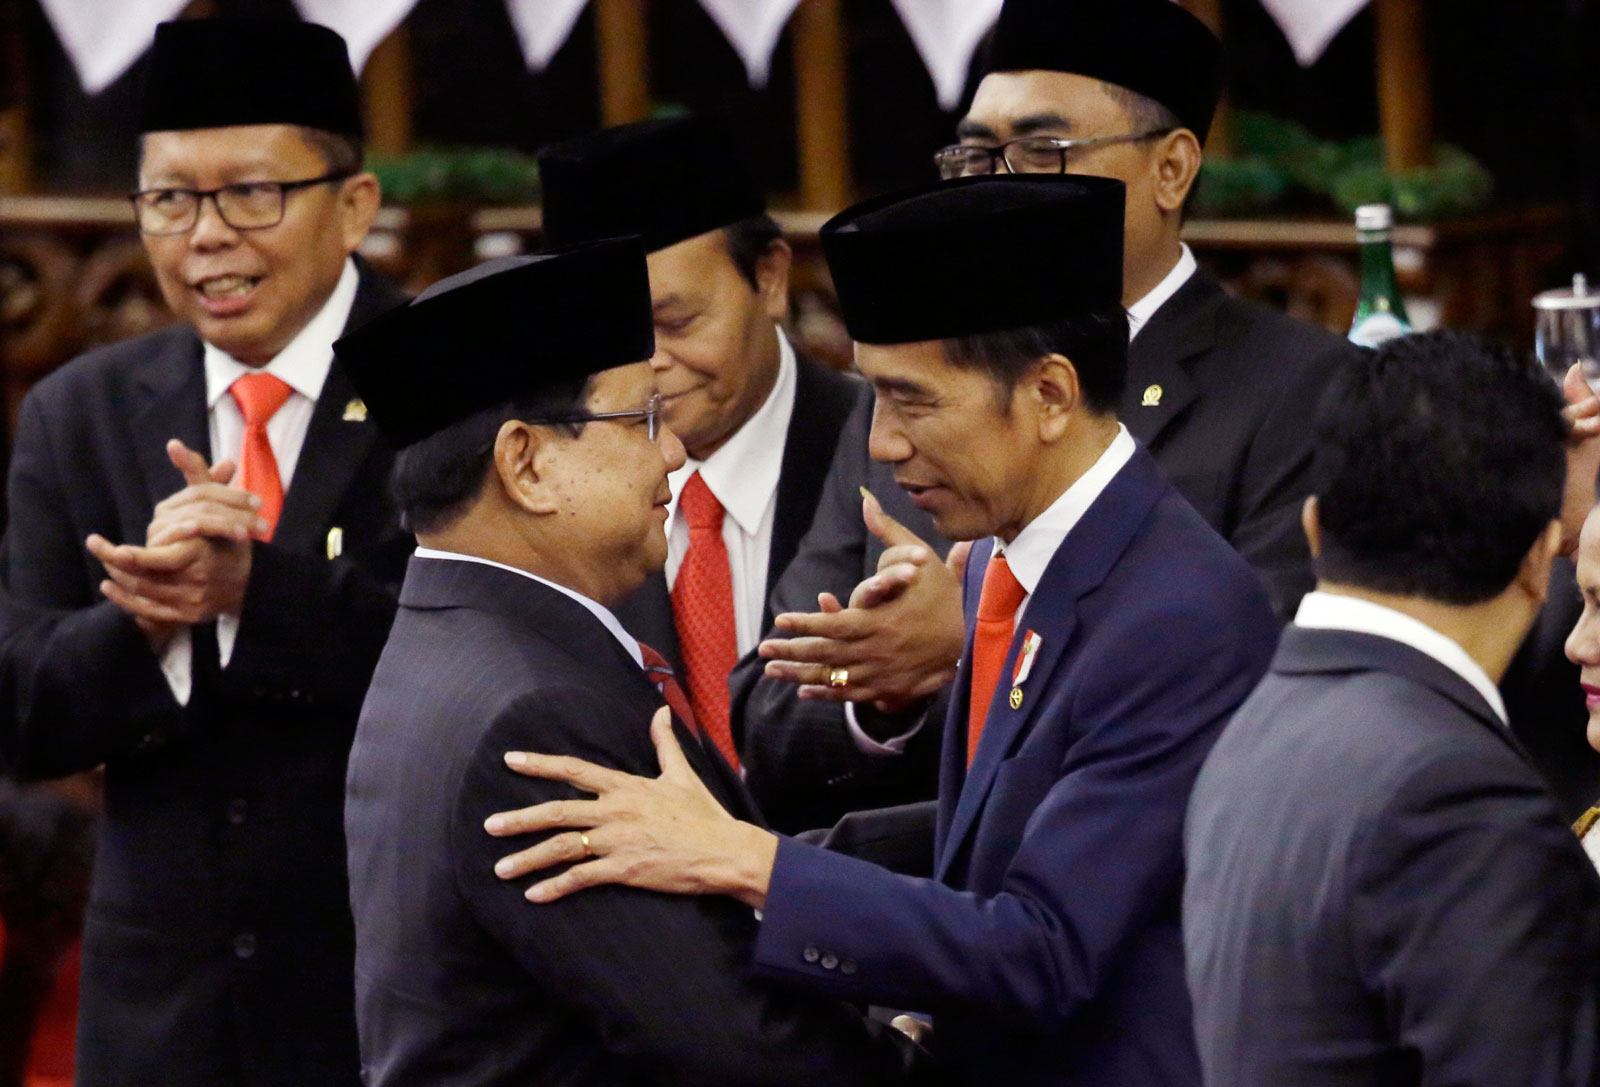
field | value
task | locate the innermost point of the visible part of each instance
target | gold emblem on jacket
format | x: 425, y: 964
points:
x: 355, y: 411
x: 1152, y: 397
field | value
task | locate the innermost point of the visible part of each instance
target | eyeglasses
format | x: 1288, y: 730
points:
x: 650, y: 413
x: 1029, y: 155
x: 247, y: 205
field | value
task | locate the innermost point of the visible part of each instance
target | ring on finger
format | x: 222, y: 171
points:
x: 588, y: 850
x: 838, y: 677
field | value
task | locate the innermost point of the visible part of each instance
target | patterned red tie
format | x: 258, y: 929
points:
x: 702, y: 610
x: 1002, y: 595
x: 259, y: 397
x: 662, y: 675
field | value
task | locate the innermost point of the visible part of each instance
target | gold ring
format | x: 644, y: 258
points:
x: 838, y: 677
x: 588, y: 850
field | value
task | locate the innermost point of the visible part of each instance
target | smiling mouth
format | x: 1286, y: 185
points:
x: 221, y: 288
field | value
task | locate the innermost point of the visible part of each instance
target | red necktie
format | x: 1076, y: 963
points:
x: 1002, y: 595
x: 259, y: 397
x: 661, y: 674
x: 702, y: 610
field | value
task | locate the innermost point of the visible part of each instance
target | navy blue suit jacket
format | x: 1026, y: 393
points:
x: 1403, y: 905
x: 1048, y: 946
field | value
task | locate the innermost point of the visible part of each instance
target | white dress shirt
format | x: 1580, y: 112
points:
x: 743, y: 476
x: 1334, y: 611
x: 302, y: 365
x: 598, y: 610
x: 1140, y: 312
x: 1028, y: 555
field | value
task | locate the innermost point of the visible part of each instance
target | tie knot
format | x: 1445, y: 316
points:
x: 653, y: 661
x: 259, y: 396
x: 1002, y: 593
x: 700, y: 507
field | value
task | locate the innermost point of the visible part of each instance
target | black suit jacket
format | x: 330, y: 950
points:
x: 459, y: 979
x: 822, y: 399
x: 1402, y: 904
x: 1223, y: 393
x: 218, y: 944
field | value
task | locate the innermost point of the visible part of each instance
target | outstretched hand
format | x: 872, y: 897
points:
x: 666, y: 833
x: 898, y: 640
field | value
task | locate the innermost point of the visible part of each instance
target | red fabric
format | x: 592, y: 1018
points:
x: 702, y: 610
x: 661, y: 674
x: 55, y: 1035
x: 1002, y: 595
x: 259, y: 397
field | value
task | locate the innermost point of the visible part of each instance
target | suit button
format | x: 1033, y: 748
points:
x: 238, y: 812
x: 294, y: 696
x: 147, y: 741
x: 244, y: 945
x: 811, y: 954
x: 830, y: 961
x: 848, y: 966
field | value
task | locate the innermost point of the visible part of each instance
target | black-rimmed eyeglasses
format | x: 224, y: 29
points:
x: 1029, y: 155
x: 650, y: 413
x: 245, y: 205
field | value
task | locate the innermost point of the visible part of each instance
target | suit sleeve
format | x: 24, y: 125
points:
x: 1099, y: 858
x: 664, y: 977
x: 1478, y: 927
x: 310, y: 628
x: 84, y: 686
x: 800, y: 762
x: 1277, y: 476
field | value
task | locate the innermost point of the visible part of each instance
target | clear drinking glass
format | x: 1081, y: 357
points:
x: 1567, y: 330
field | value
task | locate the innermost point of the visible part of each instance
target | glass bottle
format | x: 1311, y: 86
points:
x: 1380, y: 313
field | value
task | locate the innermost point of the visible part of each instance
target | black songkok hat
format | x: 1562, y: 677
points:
x: 1150, y: 47
x: 215, y: 73
x: 666, y: 181
x: 506, y: 329
x: 975, y: 255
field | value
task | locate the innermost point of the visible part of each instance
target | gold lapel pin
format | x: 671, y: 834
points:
x: 1016, y: 698
x: 1152, y: 397
x: 335, y: 539
x: 356, y: 411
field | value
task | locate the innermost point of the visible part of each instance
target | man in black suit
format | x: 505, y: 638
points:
x: 535, y: 475
x: 218, y: 943
x: 758, y: 421
x: 1220, y: 391
x: 1403, y: 903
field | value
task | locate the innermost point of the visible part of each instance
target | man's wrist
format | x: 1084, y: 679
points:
x: 887, y: 719
x: 750, y: 874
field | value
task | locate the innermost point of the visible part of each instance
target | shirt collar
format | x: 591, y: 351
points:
x: 1037, y: 543
x: 1140, y: 312
x: 303, y: 364
x: 1335, y: 611
x: 598, y: 610
x: 743, y: 473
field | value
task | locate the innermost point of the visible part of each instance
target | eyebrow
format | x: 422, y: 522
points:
x: 903, y: 386
x: 1033, y: 122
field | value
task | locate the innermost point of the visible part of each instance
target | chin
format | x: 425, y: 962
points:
x: 1592, y: 731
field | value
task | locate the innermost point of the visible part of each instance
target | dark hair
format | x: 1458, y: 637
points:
x: 1095, y: 342
x: 1443, y: 459
x: 1145, y: 114
x: 343, y: 153
x: 748, y: 241
x: 435, y: 480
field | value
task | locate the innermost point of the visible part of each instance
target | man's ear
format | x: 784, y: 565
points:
x: 1311, y: 526
x: 359, y: 197
x: 1176, y: 164
x: 772, y: 279
x: 1054, y: 385
x: 1533, y: 577
x: 521, y: 461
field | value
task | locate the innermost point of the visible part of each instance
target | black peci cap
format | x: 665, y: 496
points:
x: 667, y: 181
x: 1151, y: 47
x: 505, y: 329
x: 216, y: 73
x: 975, y: 255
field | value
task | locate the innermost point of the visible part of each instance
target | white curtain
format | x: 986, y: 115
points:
x: 1311, y: 24
x: 102, y: 38
x: 947, y: 33
x: 362, y: 23
x: 752, y: 27
x: 543, y: 27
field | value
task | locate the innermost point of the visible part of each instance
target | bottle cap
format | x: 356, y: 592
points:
x: 1579, y: 296
x: 1374, y: 217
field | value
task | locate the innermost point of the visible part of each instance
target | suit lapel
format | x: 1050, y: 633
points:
x: 1079, y: 565
x: 173, y: 385
x: 1159, y: 386
x: 822, y: 402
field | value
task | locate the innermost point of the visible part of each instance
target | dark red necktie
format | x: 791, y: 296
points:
x: 1002, y: 595
x: 661, y: 674
x: 702, y: 611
